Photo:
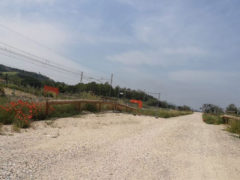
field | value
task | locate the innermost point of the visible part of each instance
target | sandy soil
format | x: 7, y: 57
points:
x: 121, y: 146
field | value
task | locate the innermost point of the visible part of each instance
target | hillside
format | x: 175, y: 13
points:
x: 33, y: 83
x: 21, y: 77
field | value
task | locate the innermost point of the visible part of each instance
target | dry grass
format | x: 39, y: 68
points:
x: 234, y: 126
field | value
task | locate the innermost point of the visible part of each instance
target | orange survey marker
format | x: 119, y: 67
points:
x: 140, y: 103
x: 51, y: 89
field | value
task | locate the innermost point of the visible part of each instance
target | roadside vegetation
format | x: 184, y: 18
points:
x: 163, y: 113
x: 23, y: 100
x: 212, y: 119
x: 21, y: 113
x: 33, y: 84
x: 212, y: 114
x: 234, y: 126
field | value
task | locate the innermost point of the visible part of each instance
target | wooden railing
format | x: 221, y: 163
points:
x: 229, y: 117
x: 98, y: 103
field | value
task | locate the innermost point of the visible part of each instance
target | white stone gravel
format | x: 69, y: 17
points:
x: 121, y: 146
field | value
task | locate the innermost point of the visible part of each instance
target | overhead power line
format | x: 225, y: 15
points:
x: 11, y: 51
x: 50, y: 49
x: 6, y: 49
x: 34, y: 58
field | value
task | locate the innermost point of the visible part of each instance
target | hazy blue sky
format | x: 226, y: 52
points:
x: 186, y: 49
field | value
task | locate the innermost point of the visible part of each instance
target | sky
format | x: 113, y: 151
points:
x: 187, y: 50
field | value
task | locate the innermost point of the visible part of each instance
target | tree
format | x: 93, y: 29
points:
x: 184, y: 108
x: 232, y: 109
x: 211, y: 108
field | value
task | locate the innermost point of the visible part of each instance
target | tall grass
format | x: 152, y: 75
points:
x: 234, y: 126
x: 164, y: 113
x: 212, y: 118
x: 63, y: 110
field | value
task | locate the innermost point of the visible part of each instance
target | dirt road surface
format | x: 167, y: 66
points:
x: 121, y: 146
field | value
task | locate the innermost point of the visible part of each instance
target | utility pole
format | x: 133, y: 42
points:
x: 81, y: 77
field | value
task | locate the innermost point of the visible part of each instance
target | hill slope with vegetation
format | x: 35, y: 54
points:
x: 22, y: 98
x: 33, y: 83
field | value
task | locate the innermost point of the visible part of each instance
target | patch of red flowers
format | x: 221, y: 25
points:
x: 24, y: 111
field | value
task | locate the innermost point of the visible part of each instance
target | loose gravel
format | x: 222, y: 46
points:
x: 121, y: 146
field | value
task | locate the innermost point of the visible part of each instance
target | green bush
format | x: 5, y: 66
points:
x: 91, y: 108
x: 212, y: 119
x: 6, y: 117
x: 10, y: 118
x: 41, y: 114
x: 211, y: 109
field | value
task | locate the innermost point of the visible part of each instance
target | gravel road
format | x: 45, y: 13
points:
x: 121, y: 146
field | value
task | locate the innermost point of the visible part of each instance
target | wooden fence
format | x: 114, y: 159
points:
x: 228, y: 117
x: 98, y: 103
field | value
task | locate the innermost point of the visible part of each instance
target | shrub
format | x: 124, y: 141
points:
x: 91, y: 107
x: 232, y: 109
x: 211, y: 108
x: 6, y: 116
x: 40, y: 112
x: 19, y: 113
x: 212, y: 119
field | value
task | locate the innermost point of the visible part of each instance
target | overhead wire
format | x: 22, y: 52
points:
x: 17, y: 57
x: 44, y: 62
x: 39, y: 60
x: 48, y: 48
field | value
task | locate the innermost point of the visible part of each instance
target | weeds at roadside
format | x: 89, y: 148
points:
x: 1, y: 129
x: 50, y: 122
x: 234, y: 126
x: 212, y: 119
x: 163, y: 113
x: 15, y: 128
x: 91, y: 108
x: 216, y: 119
